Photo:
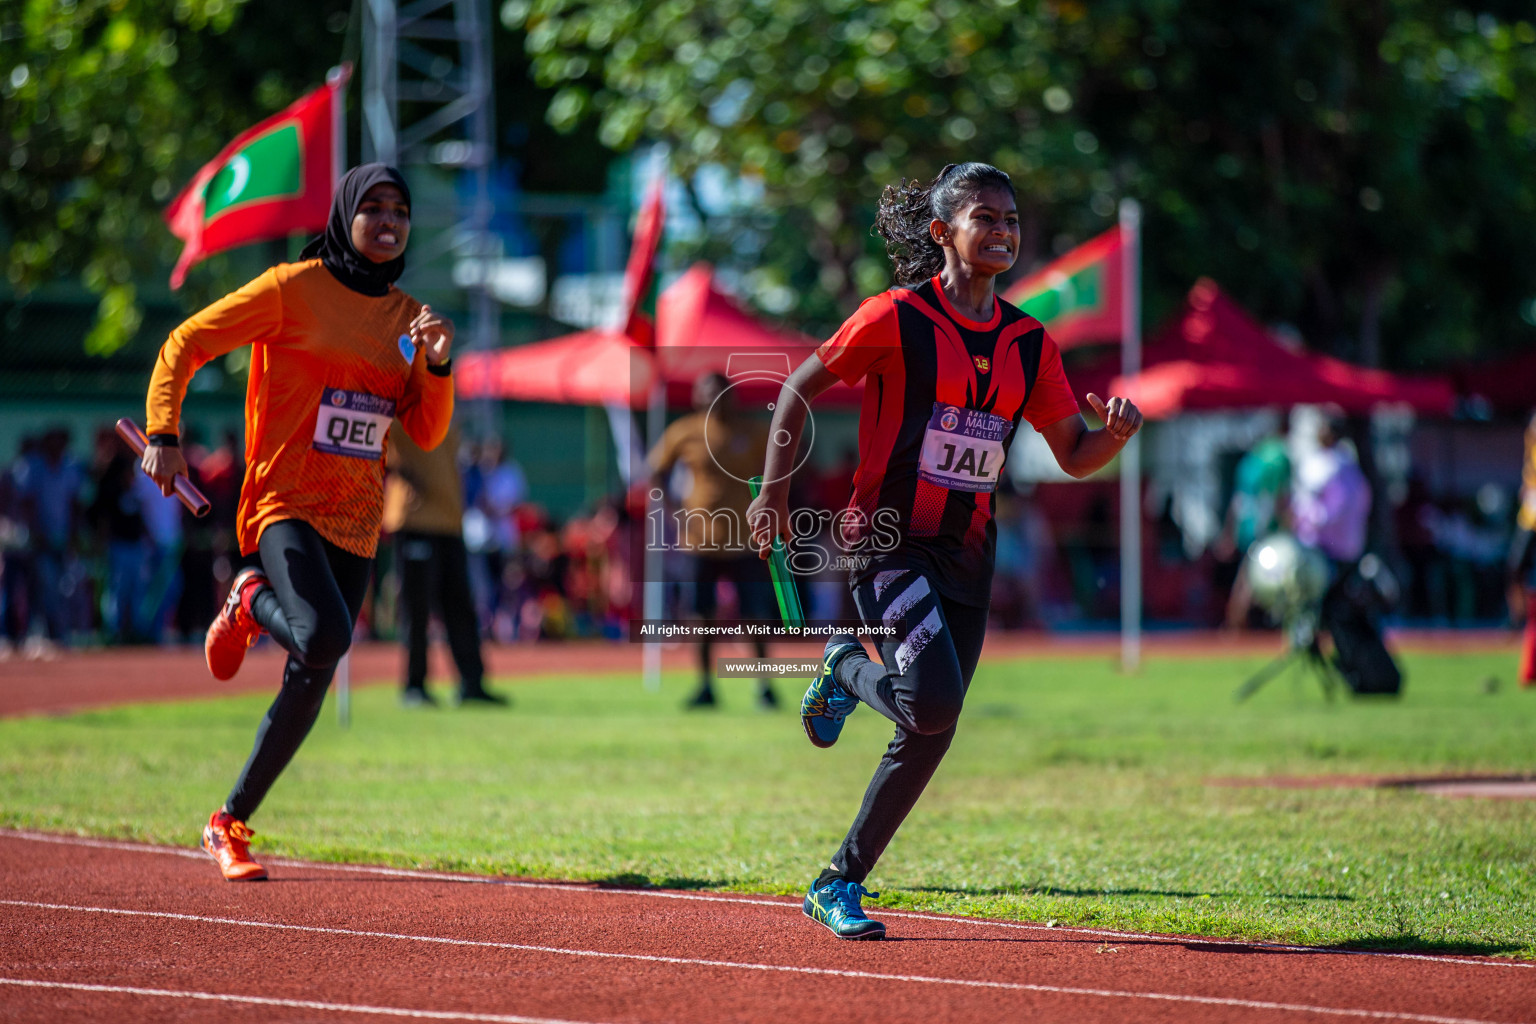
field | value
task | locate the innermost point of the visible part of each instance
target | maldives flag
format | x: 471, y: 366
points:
x: 273, y: 180
x: 640, y: 271
x: 1077, y: 297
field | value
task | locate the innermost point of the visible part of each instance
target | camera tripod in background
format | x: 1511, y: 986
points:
x: 1302, y: 652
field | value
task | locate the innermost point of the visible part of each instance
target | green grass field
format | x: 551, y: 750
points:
x: 1072, y: 794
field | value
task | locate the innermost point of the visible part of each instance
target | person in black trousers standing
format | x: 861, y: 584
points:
x: 424, y: 509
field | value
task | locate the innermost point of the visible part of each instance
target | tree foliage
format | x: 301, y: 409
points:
x: 1356, y: 167
x: 110, y: 106
x: 1359, y: 168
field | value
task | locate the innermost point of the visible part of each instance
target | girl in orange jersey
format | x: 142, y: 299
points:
x: 337, y: 353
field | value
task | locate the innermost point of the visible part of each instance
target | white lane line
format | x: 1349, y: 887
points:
x: 297, y: 1004
x: 782, y: 904
x: 101, y: 844
x: 826, y: 972
x: 425, y: 876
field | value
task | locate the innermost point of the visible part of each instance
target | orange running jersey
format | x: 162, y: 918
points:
x: 329, y: 371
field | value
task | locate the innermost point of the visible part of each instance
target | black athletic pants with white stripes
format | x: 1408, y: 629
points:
x: 316, y: 593
x: 927, y: 668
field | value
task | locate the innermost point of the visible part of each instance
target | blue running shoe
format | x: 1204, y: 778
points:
x: 825, y: 703
x: 836, y: 905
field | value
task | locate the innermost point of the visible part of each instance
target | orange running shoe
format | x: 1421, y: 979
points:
x: 228, y: 841
x: 234, y: 629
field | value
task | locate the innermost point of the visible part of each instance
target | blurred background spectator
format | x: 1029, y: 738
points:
x: 120, y: 530
x: 720, y: 448
x: 160, y: 580
x: 495, y: 488
x: 54, y: 480
x: 1259, y: 495
x: 424, y: 509
x: 1024, y: 547
x: 18, y: 570
x: 1331, y: 506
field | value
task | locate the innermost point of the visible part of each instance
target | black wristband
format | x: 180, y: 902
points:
x: 164, y: 441
x: 442, y: 369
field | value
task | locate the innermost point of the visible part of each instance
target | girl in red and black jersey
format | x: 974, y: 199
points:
x: 949, y: 370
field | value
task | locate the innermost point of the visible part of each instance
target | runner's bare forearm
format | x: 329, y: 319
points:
x: 1094, y: 450
x: 1082, y: 452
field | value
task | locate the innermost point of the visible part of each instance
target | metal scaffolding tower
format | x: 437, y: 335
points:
x: 432, y: 58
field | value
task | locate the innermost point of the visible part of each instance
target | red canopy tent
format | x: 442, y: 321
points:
x: 1508, y: 385
x: 699, y: 329
x: 597, y: 367
x: 1214, y: 355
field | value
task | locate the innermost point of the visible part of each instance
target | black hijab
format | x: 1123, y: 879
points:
x: 335, y: 247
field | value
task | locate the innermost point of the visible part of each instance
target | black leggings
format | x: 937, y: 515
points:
x: 434, y: 573
x: 317, y: 590
x: 927, y: 668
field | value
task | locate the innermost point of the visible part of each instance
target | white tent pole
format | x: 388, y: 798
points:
x: 1130, y: 456
x: 344, y: 691
x: 338, y: 77
x: 651, y: 611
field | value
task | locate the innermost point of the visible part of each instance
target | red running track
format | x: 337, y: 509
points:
x: 101, y: 930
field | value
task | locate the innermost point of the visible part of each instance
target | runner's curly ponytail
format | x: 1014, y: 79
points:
x: 908, y: 207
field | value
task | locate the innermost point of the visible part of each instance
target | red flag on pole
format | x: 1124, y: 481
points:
x: 272, y: 180
x: 640, y: 271
x: 1079, y: 296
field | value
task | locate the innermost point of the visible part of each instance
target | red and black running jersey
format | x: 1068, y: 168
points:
x: 943, y: 396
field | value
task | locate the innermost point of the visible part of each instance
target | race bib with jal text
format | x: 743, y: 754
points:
x: 352, y: 423
x: 963, y: 448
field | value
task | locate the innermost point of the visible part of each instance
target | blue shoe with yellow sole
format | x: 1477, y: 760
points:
x: 836, y: 905
x: 826, y: 704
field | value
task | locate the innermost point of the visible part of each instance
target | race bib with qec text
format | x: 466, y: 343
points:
x: 352, y: 423
x: 963, y: 448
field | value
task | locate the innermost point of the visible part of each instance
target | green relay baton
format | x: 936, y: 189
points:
x: 783, y: 579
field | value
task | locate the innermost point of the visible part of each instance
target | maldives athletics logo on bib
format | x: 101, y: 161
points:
x: 273, y: 180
